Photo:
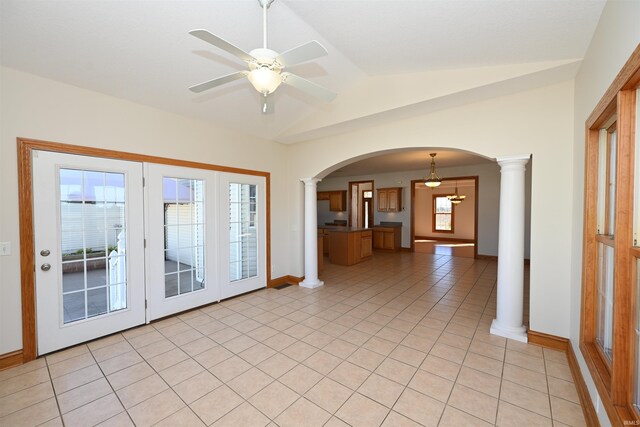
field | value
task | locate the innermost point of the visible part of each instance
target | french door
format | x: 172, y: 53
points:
x: 181, y: 244
x: 89, y: 244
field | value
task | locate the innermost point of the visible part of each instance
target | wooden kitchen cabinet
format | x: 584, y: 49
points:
x: 350, y: 246
x: 337, y: 199
x: 390, y: 199
x: 387, y: 238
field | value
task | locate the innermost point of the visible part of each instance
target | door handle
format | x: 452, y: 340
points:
x: 45, y: 252
x: 45, y: 267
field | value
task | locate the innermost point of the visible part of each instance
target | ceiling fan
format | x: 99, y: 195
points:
x: 266, y: 67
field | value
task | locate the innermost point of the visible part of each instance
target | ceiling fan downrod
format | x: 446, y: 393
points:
x: 264, y: 4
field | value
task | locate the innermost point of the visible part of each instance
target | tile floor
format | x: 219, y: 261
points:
x: 401, y: 340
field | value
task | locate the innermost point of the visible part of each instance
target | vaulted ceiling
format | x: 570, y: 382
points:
x: 387, y: 58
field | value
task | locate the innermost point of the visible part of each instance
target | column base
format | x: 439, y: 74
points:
x: 518, y: 334
x: 311, y: 284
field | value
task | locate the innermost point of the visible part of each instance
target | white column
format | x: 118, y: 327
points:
x: 311, y: 234
x: 508, y: 322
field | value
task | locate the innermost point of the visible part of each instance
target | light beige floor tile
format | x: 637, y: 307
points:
x: 335, y: 422
x: 223, y: 335
x: 112, y: 350
x: 366, y: 359
x: 142, y: 340
x: 447, y: 352
x: 77, y: 378
x: 197, y: 386
x: 514, y: 416
x: 328, y: 394
x: 239, y: 344
x: 349, y: 375
x: 557, y: 356
x: 420, y: 343
x: 121, y: 420
x: 216, y: 404
x: 243, y: 415
x: 300, y: 379
x: 121, y: 362
x: 452, y: 417
x: 186, y: 337
x: 33, y: 415
x: 408, y: 355
x: 94, y: 413
x: 156, y: 408
x: 130, y: 375
x: 359, y: 410
x: 279, y: 341
x: 355, y: 337
x: 454, y: 340
x: 71, y: 364
x: 262, y: 333
x: 156, y: 348
x: 168, y: 359
x: 479, y: 381
x: 56, y: 422
x: 256, y: 354
x: 524, y: 361
x: 322, y: 362
x: 431, y: 385
x: 213, y: 356
x: 396, y: 371
x: 250, y: 382
x: 488, y: 350
x: 84, y: 394
x: 303, y: 413
x: 380, y: 345
x: 394, y: 419
x: 419, y: 407
x: 25, y: 398
x: 317, y: 339
x: 185, y: 417
x: 559, y: 370
x: 567, y: 412
x: 181, y: 371
x: 525, y: 377
x: 441, y: 367
x: 473, y: 402
x: 340, y: 348
x: 484, y: 364
x: 525, y: 397
x: 277, y: 365
x: 299, y: 351
x: 230, y: 368
x: 563, y: 389
x: 528, y: 349
x: 265, y: 402
x: 22, y: 369
x: 197, y: 346
x: 381, y: 389
x: 23, y: 381
x: 65, y: 354
x: 142, y: 390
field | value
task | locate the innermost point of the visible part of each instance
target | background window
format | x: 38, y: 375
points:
x: 442, y: 214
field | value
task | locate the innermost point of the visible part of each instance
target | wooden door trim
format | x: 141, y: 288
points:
x: 476, y: 179
x: 25, y: 204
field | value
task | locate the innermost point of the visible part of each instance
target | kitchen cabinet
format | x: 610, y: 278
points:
x: 350, y: 245
x: 387, y: 238
x: 337, y: 199
x: 390, y: 199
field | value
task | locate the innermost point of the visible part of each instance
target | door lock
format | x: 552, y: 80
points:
x: 45, y: 267
x: 45, y: 252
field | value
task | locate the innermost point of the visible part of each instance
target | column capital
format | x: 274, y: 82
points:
x: 310, y: 181
x: 513, y: 160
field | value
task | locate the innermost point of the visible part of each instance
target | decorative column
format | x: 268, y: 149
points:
x: 311, y: 234
x: 508, y: 322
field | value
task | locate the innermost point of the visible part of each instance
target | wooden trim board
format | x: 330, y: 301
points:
x: 285, y: 279
x: 549, y: 341
x: 9, y: 360
x: 25, y: 202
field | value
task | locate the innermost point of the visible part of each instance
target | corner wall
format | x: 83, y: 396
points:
x: 616, y: 36
x: 38, y: 108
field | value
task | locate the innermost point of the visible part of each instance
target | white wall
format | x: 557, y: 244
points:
x: 463, y: 213
x: 537, y: 122
x: 617, y: 35
x: 33, y: 107
x: 488, y: 203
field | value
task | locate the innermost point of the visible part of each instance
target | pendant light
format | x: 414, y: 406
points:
x: 433, y: 180
x: 455, y: 198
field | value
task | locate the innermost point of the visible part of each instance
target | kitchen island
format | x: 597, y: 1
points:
x: 348, y: 245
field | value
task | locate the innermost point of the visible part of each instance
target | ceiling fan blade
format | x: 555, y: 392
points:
x: 303, y: 53
x: 308, y: 87
x: 222, y: 44
x: 218, y: 81
x: 268, y: 106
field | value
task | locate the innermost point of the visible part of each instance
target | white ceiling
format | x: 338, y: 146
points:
x: 140, y: 50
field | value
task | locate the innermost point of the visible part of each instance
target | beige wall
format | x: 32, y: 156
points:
x: 38, y: 108
x: 463, y: 218
x: 617, y: 35
x: 537, y: 122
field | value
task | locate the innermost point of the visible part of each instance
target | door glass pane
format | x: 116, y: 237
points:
x: 93, y: 243
x: 604, y: 335
x: 243, y: 231
x: 183, y: 236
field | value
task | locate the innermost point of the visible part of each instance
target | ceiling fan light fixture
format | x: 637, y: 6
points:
x: 455, y: 198
x: 265, y: 80
x: 433, y: 180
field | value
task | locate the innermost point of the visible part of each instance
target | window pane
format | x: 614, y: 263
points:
x: 183, y: 235
x: 243, y: 233
x: 604, y: 334
x: 611, y: 207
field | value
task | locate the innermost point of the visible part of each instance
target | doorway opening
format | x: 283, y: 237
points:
x: 361, y: 206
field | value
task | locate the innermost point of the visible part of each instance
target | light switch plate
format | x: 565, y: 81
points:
x: 5, y: 248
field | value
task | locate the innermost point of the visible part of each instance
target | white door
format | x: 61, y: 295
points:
x: 181, y: 244
x: 243, y: 234
x: 88, y: 227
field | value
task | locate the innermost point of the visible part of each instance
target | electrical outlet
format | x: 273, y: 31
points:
x: 5, y: 248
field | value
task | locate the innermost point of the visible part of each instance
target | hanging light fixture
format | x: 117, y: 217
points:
x: 433, y: 180
x: 456, y: 198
